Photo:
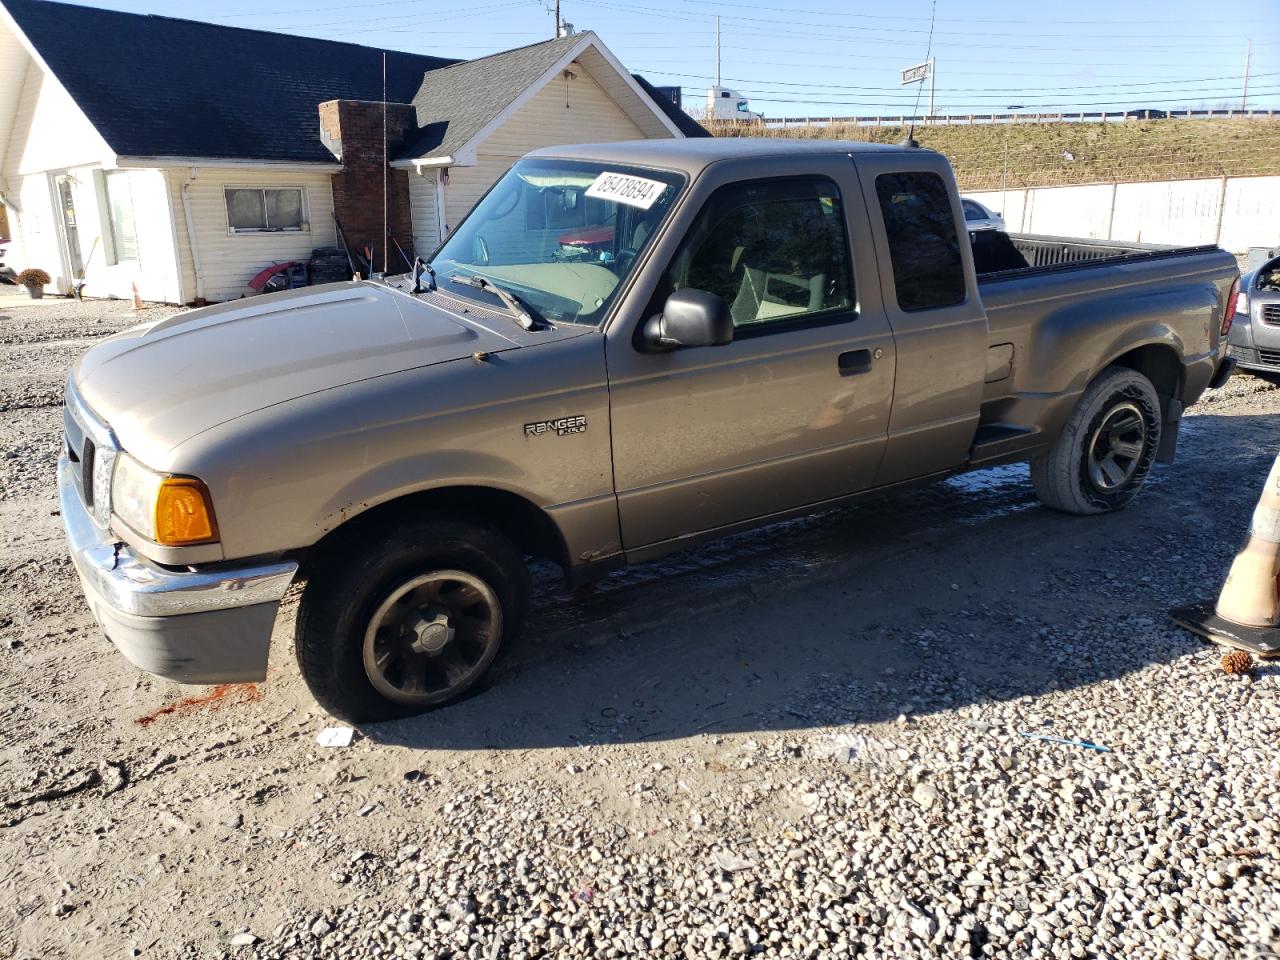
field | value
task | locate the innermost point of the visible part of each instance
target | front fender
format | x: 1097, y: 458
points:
x: 284, y: 477
x: 421, y: 473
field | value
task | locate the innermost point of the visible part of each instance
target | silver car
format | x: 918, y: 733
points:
x: 1254, y: 338
x: 978, y: 216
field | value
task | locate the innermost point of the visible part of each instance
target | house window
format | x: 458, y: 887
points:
x: 258, y: 209
x: 124, y: 238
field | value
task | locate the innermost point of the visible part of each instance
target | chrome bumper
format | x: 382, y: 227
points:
x: 195, y: 626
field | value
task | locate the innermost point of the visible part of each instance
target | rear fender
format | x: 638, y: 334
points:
x: 1072, y: 346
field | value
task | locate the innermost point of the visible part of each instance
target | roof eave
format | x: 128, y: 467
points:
x: 417, y: 163
x: 316, y: 166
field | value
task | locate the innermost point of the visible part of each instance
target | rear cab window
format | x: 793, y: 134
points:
x: 924, y: 247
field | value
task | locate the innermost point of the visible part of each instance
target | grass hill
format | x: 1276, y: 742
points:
x: 990, y: 156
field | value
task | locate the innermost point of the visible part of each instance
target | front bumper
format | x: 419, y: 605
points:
x: 1251, y: 358
x: 211, y: 625
x: 1254, y: 342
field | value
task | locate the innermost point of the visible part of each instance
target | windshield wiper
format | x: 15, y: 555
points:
x: 420, y: 267
x: 524, y: 314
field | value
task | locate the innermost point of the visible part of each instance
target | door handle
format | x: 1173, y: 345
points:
x: 853, y: 362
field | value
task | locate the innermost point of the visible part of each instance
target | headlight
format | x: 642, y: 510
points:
x: 171, y: 511
x: 1242, y: 303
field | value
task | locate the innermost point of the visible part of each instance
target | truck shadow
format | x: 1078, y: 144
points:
x: 959, y: 592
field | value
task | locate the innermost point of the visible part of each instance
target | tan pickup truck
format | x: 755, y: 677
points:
x: 625, y: 349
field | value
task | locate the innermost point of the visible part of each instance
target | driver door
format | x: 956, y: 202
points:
x: 794, y: 410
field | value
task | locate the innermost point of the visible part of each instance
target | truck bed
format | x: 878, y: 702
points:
x: 1003, y: 256
x: 1045, y: 317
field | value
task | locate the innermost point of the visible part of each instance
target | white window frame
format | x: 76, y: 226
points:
x: 110, y: 253
x: 257, y: 231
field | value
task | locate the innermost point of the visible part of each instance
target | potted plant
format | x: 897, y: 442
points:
x: 34, y: 279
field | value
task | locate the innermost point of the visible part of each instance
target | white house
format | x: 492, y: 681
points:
x: 184, y: 157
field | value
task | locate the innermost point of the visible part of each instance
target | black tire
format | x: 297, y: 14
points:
x: 372, y: 573
x: 1085, y: 471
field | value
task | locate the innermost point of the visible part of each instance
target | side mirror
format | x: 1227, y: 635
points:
x: 690, y: 318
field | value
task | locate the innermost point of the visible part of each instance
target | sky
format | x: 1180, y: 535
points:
x: 822, y: 58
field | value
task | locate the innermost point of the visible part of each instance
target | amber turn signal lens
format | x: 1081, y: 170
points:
x: 184, y: 513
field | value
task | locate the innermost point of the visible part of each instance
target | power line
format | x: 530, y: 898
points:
x: 400, y: 24
x: 780, y: 27
x: 849, y: 63
x: 763, y: 91
x: 1092, y: 22
x: 1018, y: 90
x: 1069, y: 107
x: 768, y: 40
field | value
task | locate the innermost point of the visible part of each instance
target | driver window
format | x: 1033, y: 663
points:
x: 775, y: 250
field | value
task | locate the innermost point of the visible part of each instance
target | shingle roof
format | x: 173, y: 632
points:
x: 688, y: 126
x: 455, y: 102
x: 157, y: 86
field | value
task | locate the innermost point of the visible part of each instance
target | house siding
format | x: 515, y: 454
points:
x: 229, y: 261
x: 422, y: 208
x: 564, y: 111
x: 47, y: 133
x: 14, y: 63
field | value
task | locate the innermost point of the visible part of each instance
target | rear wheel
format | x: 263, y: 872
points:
x: 1105, y: 451
x: 404, y: 618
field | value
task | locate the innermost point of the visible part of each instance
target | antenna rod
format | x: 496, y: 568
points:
x: 1244, y: 94
x: 386, y: 231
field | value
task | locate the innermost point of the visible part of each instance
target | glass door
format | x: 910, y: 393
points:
x: 70, y: 232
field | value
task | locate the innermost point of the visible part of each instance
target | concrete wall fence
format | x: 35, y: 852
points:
x: 1234, y: 212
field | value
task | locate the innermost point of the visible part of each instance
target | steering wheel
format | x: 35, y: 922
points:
x: 480, y: 250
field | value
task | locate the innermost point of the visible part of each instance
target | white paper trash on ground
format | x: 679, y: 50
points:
x: 335, y: 737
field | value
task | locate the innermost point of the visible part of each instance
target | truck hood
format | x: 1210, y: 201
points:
x: 161, y: 383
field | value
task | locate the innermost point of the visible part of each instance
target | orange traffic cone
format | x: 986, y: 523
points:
x: 1247, y: 613
x: 137, y: 300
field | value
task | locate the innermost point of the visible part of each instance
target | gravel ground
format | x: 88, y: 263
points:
x: 808, y: 741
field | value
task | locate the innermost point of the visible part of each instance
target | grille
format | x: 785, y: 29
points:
x: 91, y: 449
x: 1270, y: 357
x: 1271, y: 314
x: 80, y: 451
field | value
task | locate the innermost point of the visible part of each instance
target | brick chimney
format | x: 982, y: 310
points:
x: 352, y: 131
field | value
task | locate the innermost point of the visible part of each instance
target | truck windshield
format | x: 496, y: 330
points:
x: 561, y: 235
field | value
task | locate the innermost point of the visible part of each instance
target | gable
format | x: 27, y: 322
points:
x: 564, y: 111
x: 41, y: 127
x: 48, y: 130
x: 455, y: 103
x: 460, y: 106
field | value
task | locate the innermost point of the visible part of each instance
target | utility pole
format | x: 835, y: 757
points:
x: 556, y: 36
x: 1244, y: 94
x: 717, y: 51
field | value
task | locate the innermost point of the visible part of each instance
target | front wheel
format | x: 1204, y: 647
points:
x: 1107, y: 446
x: 406, y: 617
